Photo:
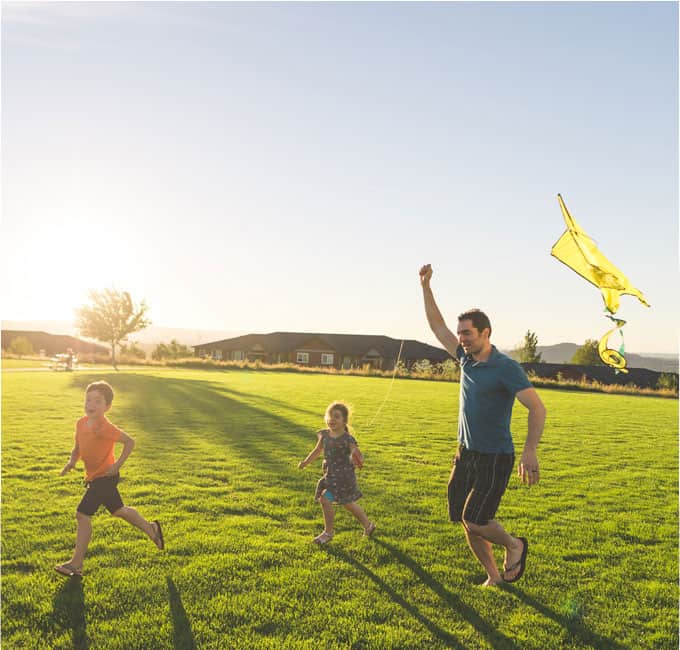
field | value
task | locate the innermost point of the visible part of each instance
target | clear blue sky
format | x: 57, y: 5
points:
x: 290, y: 166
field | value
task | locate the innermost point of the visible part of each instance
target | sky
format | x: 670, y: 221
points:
x: 265, y: 167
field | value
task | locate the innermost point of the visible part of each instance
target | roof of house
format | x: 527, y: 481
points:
x: 349, y: 344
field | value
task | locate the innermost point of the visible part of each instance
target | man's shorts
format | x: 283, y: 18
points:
x: 477, y: 483
x: 101, y: 491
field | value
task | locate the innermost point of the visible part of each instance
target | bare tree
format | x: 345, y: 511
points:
x: 111, y: 317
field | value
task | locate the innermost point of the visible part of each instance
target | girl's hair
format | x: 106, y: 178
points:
x: 344, y: 410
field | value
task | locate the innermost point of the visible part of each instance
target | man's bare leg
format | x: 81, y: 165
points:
x: 483, y: 551
x: 494, y: 533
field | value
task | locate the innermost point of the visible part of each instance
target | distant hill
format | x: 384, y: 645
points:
x: 563, y: 352
x: 50, y: 344
x: 146, y: 339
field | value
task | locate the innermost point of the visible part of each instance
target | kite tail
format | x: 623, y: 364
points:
x: 613, y: 358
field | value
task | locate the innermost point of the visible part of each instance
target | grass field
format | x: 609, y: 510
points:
x: 216, y: 462
x: 10, y: 364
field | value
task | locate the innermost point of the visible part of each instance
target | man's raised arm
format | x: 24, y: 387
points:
x: 434, y: 317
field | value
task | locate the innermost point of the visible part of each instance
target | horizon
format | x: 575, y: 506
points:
x: 68, y: 328
x: 293, y: 165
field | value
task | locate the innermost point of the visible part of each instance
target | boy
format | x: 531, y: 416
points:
x: 94, y: 441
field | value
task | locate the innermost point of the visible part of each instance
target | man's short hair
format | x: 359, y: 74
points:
x: 104, y: 388
x: 479, y: 319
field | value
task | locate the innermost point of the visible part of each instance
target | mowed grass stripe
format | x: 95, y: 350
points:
x: 216, y: 460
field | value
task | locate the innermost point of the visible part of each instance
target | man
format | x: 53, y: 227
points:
x: 489, y: 383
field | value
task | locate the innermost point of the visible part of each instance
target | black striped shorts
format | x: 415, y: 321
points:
x: 477, y: 483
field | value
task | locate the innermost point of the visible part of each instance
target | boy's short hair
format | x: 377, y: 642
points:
x: 479, y: 319
x: 104, y: 388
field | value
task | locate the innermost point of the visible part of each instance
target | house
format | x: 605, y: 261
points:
x: 329, y: 350
x: 52, y: 343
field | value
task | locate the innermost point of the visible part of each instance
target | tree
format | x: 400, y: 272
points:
x: 21, y: 346
x: 422, y: 366
x: 111, y: 317
x: 587, y: 355
x: 526, y: 352
x: 449, y: 369
x: 175, y: 350
x: 667, y: 381
x: 131, y: 349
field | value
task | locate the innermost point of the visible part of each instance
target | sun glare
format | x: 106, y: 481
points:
x: 61, y: 267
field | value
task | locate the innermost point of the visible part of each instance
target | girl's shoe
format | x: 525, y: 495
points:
x: 324, y: 538
x: 370, y: 530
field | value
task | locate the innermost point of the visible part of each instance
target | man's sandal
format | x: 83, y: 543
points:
x: 369, y: 530
x: 68, y: 570
x: 324, y: 538
x: 520, y: 564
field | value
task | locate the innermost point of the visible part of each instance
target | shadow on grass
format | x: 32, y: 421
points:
x: 453, y: 602
x: 181, y: 414
x: 69, y: 610
x: 446, y: 637
x: 270, y: 401
x: 579, y: 632
x: 575, y: 627
x: 183, y: 637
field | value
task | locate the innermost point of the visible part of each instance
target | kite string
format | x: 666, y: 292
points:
x: 389, y: 390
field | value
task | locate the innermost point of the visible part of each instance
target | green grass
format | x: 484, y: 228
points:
x: 9, y: 363
x: 216, y: 461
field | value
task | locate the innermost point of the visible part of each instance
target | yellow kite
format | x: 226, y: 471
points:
x: 579, y: 252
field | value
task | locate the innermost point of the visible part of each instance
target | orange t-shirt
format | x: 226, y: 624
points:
x: 95, y: 445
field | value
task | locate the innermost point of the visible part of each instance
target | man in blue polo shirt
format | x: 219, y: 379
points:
x: 489, y: 383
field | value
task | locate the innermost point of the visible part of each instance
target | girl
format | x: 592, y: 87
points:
x: 339, y: 483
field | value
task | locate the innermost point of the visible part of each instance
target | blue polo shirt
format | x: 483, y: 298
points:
x: 487, y: 393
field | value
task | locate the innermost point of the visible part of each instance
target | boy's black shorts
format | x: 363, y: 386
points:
x: 101, y: 491
x: 477, y: 483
